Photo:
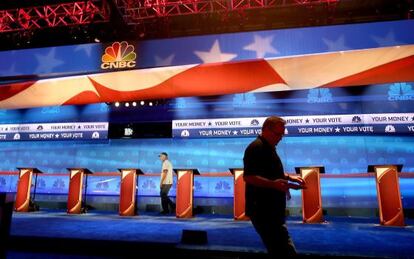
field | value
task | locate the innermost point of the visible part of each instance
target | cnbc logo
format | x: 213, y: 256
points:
x: 119, y: 55
x: 400, y: 92
x: 321, y: 95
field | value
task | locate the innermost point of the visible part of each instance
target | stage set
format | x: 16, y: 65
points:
x: 79, y: 144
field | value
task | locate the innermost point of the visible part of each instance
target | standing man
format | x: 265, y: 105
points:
x: 266, y: 189
x: 166, y: 182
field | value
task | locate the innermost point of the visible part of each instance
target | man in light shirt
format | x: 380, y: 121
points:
x: 166, y: 182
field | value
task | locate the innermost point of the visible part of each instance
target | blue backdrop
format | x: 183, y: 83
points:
x: 86, y: 58
x: 339, y: 154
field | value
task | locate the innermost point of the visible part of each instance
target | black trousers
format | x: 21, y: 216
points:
x: 165, y: 200
x: 274, y: 235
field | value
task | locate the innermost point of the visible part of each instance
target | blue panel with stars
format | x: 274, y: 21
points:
x: 86, y: 58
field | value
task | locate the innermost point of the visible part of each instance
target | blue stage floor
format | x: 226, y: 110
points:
x: 359, y: 237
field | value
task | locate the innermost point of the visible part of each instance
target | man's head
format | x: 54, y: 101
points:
x: 163, y: 156
x: 273, y: 129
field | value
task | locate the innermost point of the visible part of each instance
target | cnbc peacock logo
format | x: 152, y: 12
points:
x: 119, y: 55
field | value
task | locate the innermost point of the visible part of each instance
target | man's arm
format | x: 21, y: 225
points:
x: 295, y: 178
x: 279, y: 184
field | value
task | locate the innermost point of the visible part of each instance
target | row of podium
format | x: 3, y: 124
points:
x: 78, y: 185
x: 387, y: 183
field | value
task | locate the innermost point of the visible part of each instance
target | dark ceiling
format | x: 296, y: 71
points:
x: 283, y: 16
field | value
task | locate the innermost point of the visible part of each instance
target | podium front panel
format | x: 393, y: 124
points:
x: 311, y: 196
x: 239, y: 196
x: 184, y: 201
x: 75, y: 191
x: 23, y: 190
x: 127, y: 192
x: 389, y: 196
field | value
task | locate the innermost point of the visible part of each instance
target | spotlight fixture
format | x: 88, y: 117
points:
x: 126, y: 104
x: 117, y: 104
x: 142, y: 102
x: 134, y: 104
x: 150, y: 104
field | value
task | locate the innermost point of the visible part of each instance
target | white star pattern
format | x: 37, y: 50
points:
x: 215, y: 54
x: 85, y: 47
x: 235, y: 132
x: 47, y: 63
x: 261, y: 46
x: 388, y: 40
x: 160, y: 62
x: 337, y: 129
x: 335, y: 45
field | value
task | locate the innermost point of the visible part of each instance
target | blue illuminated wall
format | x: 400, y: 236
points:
x: 347, y: 154
x: 339, y: 155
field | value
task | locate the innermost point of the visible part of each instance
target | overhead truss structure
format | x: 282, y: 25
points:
x: 48, y: 16
x: 137, y: 11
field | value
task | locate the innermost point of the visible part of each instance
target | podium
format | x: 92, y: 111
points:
x: 185, y: 192
x: 78, y: 181
x: 311, y: 196
x: 127, y: 193
x: 388, y: 194
x: 24, y: 203
x: 239, y: 201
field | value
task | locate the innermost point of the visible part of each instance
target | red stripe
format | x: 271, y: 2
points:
x: 210, y: 79
x: 224, y: 174
x: 401, y: 70
x: 8, y: 91
x: 9, y: 173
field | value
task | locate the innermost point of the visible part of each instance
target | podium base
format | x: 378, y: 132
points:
x: 86, y: 208
x: 33, y: 206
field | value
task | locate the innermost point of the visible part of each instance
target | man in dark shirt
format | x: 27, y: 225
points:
x: 266, y: 188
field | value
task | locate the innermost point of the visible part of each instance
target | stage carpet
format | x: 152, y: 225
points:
x: 55, y: 234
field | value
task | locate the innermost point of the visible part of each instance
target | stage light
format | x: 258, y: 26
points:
x: 126, y: 104
x: 117, y: 104
x: 150, y: 103
x: 134, y: 104
x: 142, y: 103
x: 97, y: 40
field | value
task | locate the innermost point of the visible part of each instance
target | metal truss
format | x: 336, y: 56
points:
x: 137, y: 11
x: 47, y: 16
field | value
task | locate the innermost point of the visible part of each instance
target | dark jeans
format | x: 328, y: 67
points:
x: 274, y: 235
x: 165, y: 200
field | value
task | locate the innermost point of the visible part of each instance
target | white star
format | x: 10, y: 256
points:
x: 164, y: 62
x: 47, y: 63
x: 215, y: 54
x: 336, y: 45
x: 57, y: 135
x: 235, y: 132
x: 85, y: 47
x: 337, y: 129
x: 262, y: 46
x: 388, y: 40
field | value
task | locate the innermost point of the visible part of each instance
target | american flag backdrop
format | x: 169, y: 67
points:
x: 279, y: 60
x: 337, y: 69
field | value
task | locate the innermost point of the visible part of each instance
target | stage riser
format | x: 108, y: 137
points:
x: 220, y: 206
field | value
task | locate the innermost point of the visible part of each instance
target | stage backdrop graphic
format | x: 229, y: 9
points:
x: 87, y: 58
x: 341, y: 56
x: 216, y: 64
x: 341, y: 154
